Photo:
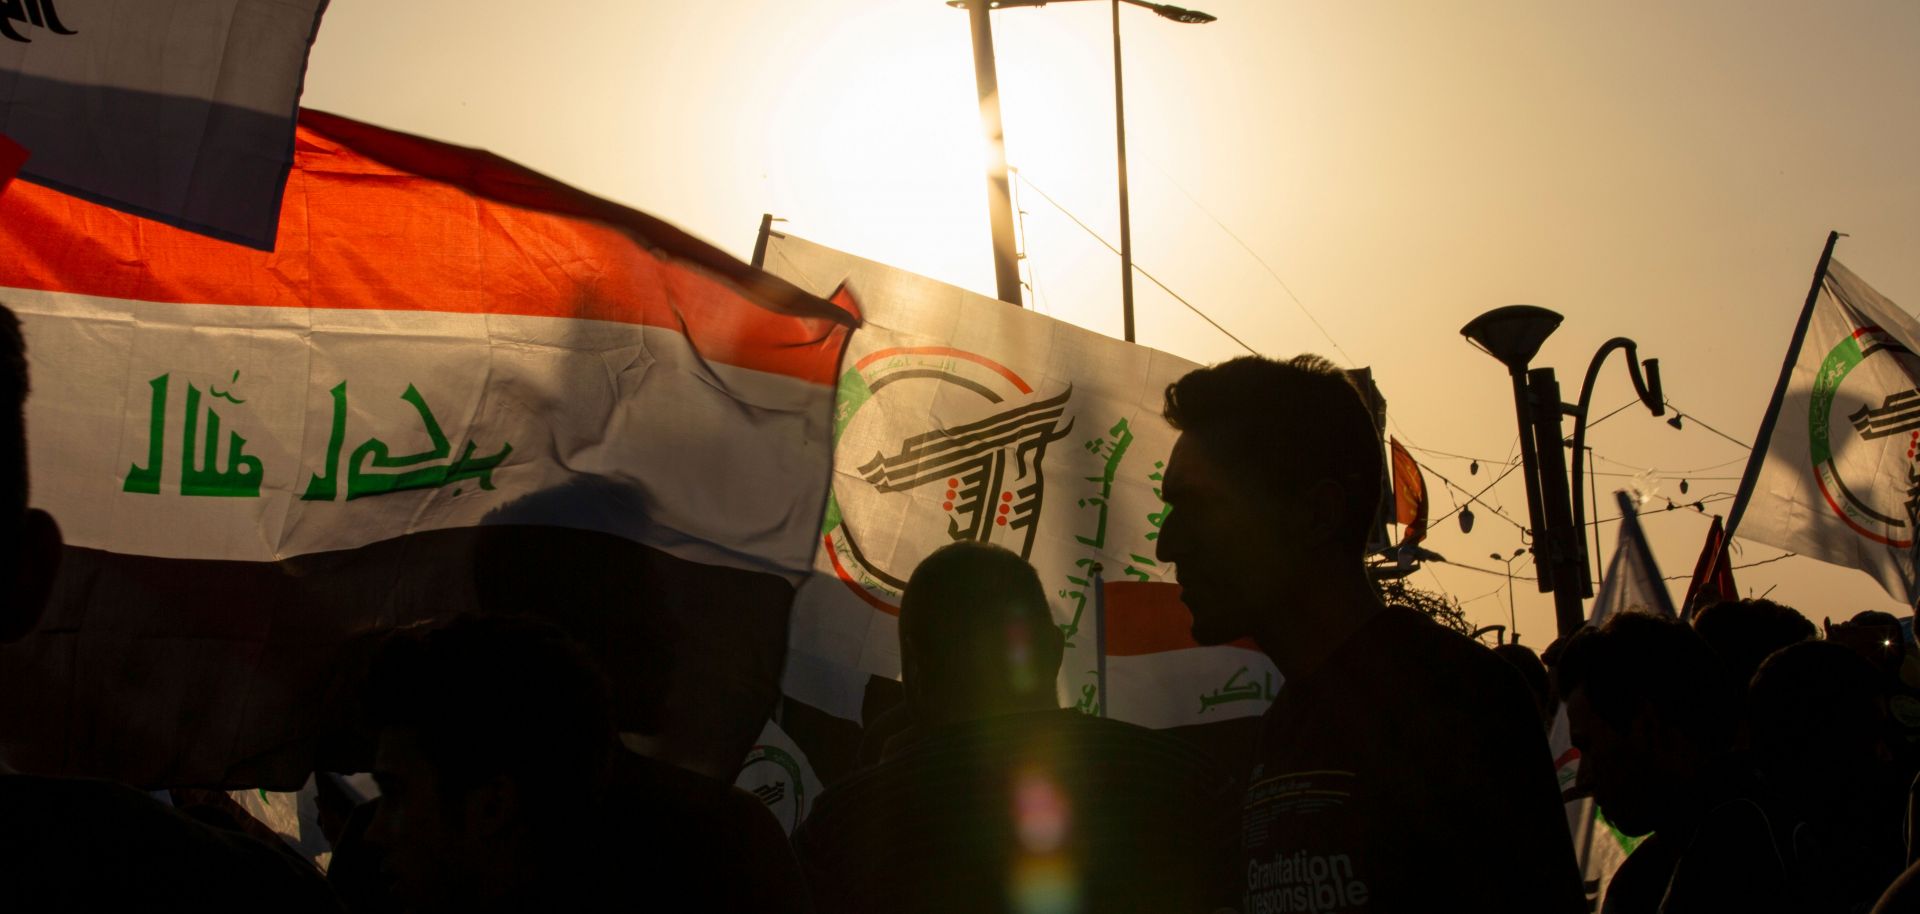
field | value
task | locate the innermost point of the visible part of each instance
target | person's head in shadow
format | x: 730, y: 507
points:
x: 1652, y: 713
x: 1274, y: 483
x: 976, y: 636
x: 493, y: 733
x: 1534, y: 672
x: 1745, y: 632
x: 31, y: 538
x: 1820, y: 729
x: 595, y: 587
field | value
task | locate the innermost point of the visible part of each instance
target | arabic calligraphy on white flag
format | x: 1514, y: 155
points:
x: 960, y: 417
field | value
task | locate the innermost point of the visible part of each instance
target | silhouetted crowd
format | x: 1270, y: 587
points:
x: 1752, y: 761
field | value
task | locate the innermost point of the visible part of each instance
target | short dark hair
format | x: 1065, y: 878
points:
x: 1816, y: 700
x: 14, y: 388
x: 971, y: 605
x: 492, y: 695
x: 1637, y: 663
x: 1744, y: 632
x: 1255, y: 415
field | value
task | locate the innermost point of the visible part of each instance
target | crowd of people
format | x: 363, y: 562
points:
x: 1763, y: 764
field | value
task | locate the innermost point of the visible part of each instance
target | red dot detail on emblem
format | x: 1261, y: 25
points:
x: 1005, y: 508
x: 1001, y: 521
x: 1008, y: 496
x: 947, y: 506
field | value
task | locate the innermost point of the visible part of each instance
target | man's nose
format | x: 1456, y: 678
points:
x: 1171, y: 543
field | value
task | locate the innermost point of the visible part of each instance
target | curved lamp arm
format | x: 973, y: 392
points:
x: 1647, y: 385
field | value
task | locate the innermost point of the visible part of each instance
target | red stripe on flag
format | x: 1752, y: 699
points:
x: 1147, y: 617
x: 12, y: 156
x: 380, y: 220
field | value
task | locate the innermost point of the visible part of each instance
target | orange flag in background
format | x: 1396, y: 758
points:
x: 1409, y: 495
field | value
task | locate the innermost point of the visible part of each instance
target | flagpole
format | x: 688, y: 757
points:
x: 1100, y: 641
x: 1762, y: 441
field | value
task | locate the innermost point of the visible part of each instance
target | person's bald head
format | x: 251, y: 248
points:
x: 976, y: 635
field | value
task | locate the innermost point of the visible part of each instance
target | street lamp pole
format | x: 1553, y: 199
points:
x: 1126, y: 216
x: 1647, y: 386
x: 1513, y: 621
x: 999, y: 205
x: 1006, y: 264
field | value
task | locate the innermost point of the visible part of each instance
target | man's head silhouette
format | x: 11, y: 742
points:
x: 1274, y: 485
x: 976, y: 636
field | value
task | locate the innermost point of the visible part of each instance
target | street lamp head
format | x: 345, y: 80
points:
x: 1190, y: 17
x: 1512, y: 334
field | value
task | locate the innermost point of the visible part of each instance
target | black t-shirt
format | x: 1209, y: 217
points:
x: 1048, y: 810
x: 1408, y: 773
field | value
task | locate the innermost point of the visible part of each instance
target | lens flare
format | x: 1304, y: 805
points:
x: 1043, y: 880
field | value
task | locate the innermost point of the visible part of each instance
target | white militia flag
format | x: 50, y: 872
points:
x: 961, y: 417
x: 1632, y: 582
x: 1834, y: 474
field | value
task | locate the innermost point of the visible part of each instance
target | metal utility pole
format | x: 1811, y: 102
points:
x: 1006, y: 264
x: 1126, y: 217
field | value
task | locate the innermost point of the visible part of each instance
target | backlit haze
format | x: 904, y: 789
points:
x: 1662, y: 171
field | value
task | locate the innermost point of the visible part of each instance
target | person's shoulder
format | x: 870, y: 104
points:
x: 1414, y: 642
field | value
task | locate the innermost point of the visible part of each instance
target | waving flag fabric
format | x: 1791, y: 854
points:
x: 960, y: 417
x: 1409, y: 496
x: 1712, y: 574
x: 181, y: 110
x: 1632, y: 582
x: 258, y: 457
x: 1836, y: 473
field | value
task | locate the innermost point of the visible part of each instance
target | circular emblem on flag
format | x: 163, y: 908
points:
x: 1863, y: 431
x: 773, y: 776
x: 935, y: 444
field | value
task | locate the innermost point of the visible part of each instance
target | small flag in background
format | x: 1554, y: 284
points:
x: 1632, y: 582
x: 1712, y: 574
x: 178, y: 110
x: 1409, y: 496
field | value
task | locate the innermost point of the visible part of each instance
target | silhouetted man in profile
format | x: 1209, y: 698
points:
x: 72, y: 844
x: 1653, y: 714
x: 1402, y: 767
x: 996, y: 799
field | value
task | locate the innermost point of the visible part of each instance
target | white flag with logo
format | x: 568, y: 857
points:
x: 1632, y: 582
x: 1839, y: 481
x: 962, y: 417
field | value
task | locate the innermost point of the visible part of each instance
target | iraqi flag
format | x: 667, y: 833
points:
x: 453, y: 384
x: 962, y: 417
x: 181, y: 110
x: 1835, y: 472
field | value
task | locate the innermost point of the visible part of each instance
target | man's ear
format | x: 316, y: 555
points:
x: 493, y: 806
x: 36, y: 562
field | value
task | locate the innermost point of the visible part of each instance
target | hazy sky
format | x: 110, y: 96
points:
x: 1664, y: 170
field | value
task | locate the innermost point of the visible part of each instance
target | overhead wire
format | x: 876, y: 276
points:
x: 1351, y: 361
x: 1136, y: 264
x: 1474, y: 498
